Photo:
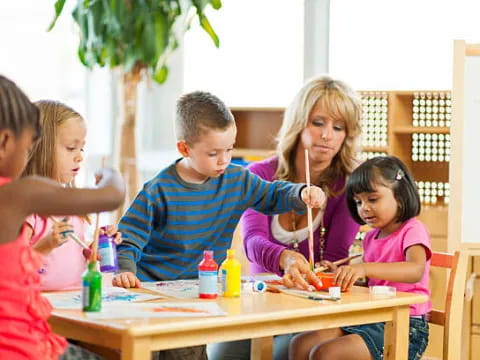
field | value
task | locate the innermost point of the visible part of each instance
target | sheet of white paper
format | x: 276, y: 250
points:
x: 179, y: 289
x: 157, y: 310
x: 73, y: 299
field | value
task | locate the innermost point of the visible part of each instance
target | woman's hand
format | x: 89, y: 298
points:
x: 313, y: 196
x: 345, y: 276
x: 297, y: 271
x: 126, y: 280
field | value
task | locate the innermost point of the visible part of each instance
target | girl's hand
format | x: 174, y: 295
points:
x: 346, y: 275
x: 313, y: 196
x: 297, y: 271
x: 331, y: 267
x: 57, y: 237
x: 126, y: 280
x: 111, y: 230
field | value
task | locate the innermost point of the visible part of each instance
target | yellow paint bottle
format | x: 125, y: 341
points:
x: 231, y: 272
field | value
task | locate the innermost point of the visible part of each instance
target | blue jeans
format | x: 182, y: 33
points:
x: 373, y: 334
x: 240, y: 350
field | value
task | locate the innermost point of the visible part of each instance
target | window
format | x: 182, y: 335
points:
x: 394, y: 45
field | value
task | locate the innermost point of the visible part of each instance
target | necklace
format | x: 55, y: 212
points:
x: 323, y: 233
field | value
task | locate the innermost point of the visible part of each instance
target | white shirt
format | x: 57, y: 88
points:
x: 288, y: 237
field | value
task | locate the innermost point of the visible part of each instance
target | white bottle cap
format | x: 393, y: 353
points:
x: 334, y: 291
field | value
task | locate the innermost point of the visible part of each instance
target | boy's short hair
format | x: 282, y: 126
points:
x: 388, y: 171
x: 198, y: 112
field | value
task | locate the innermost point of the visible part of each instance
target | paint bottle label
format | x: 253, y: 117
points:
x: 208, y: 276
x: 107, y: 251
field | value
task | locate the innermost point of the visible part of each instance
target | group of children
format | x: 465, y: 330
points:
x: 192, y: 205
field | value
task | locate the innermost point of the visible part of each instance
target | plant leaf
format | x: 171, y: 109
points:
x: 59, y: 4
x: 161, y: 75
x: 208, y: 28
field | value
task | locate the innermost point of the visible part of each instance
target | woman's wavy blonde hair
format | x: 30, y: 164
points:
x: 340, y: 102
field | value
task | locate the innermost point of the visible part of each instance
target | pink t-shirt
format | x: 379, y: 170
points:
x: 392, y: 248
x: 24, y: 330
x: 61, y: 269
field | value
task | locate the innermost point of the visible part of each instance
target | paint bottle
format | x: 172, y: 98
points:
x: 231, y: 275
x: 208, y: 276
x: 107, y: 250
x: 92, y: 288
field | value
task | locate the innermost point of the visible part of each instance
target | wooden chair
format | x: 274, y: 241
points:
x: 451, y: 318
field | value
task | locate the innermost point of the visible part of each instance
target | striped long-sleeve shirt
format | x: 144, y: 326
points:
x: 171, y: 222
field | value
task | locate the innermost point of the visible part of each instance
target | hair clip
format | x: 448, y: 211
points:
x: 400, y: 175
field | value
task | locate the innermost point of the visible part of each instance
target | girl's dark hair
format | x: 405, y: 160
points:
x: 17, y: 112
x: 387, y: 171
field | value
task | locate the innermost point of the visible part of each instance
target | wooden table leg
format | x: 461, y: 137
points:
x: 262, y: 348
x: 396, y: 335
x: 135, y: 349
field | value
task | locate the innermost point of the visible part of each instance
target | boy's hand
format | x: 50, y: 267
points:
x: 346, y: 275
x: 126, y: 280
x: 297, y: 271
x: 313, y: 196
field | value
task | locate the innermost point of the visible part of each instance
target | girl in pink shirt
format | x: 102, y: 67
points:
x: 381, y: 193
x: 58, y: 155
x: 24, y: 330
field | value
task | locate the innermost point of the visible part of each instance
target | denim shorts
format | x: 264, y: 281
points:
x: 373, y: 334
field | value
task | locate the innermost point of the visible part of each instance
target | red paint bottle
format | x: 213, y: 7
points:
x: 208, y: 276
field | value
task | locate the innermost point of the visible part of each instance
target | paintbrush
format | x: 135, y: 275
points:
x: 338, y: 262
x: 96, y: 234
x: 72, y: 235
x: 309, y: 214
x: 305, y: 294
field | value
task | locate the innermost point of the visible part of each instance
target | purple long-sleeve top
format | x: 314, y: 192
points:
x: 263, y: 250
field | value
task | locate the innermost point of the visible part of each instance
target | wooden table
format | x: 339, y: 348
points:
x: 255, y: 316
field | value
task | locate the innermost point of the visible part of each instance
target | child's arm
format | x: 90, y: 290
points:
x: 23, y: 197
x: 280, y: 196
x: 409, y: 271
x: 136, y: 226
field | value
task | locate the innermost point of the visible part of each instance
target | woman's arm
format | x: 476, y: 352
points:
x: 256, y: 232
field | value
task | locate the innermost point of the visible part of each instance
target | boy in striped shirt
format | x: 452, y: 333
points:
x: 196, y: 202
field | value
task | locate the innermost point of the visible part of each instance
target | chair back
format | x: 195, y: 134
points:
x: 451, y: 318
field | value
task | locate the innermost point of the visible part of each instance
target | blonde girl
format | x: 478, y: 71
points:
x: 58, y: 155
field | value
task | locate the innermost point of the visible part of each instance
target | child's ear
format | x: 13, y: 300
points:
x: 182, y: 148
x: 6, y: 137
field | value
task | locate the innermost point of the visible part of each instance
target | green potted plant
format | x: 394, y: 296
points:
x: 136, y: 36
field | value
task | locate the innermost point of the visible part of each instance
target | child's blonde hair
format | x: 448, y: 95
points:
x: 53, y: 114
x: 341, y: 103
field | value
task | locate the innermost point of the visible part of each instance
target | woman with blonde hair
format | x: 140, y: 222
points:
x: 324, y: 118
